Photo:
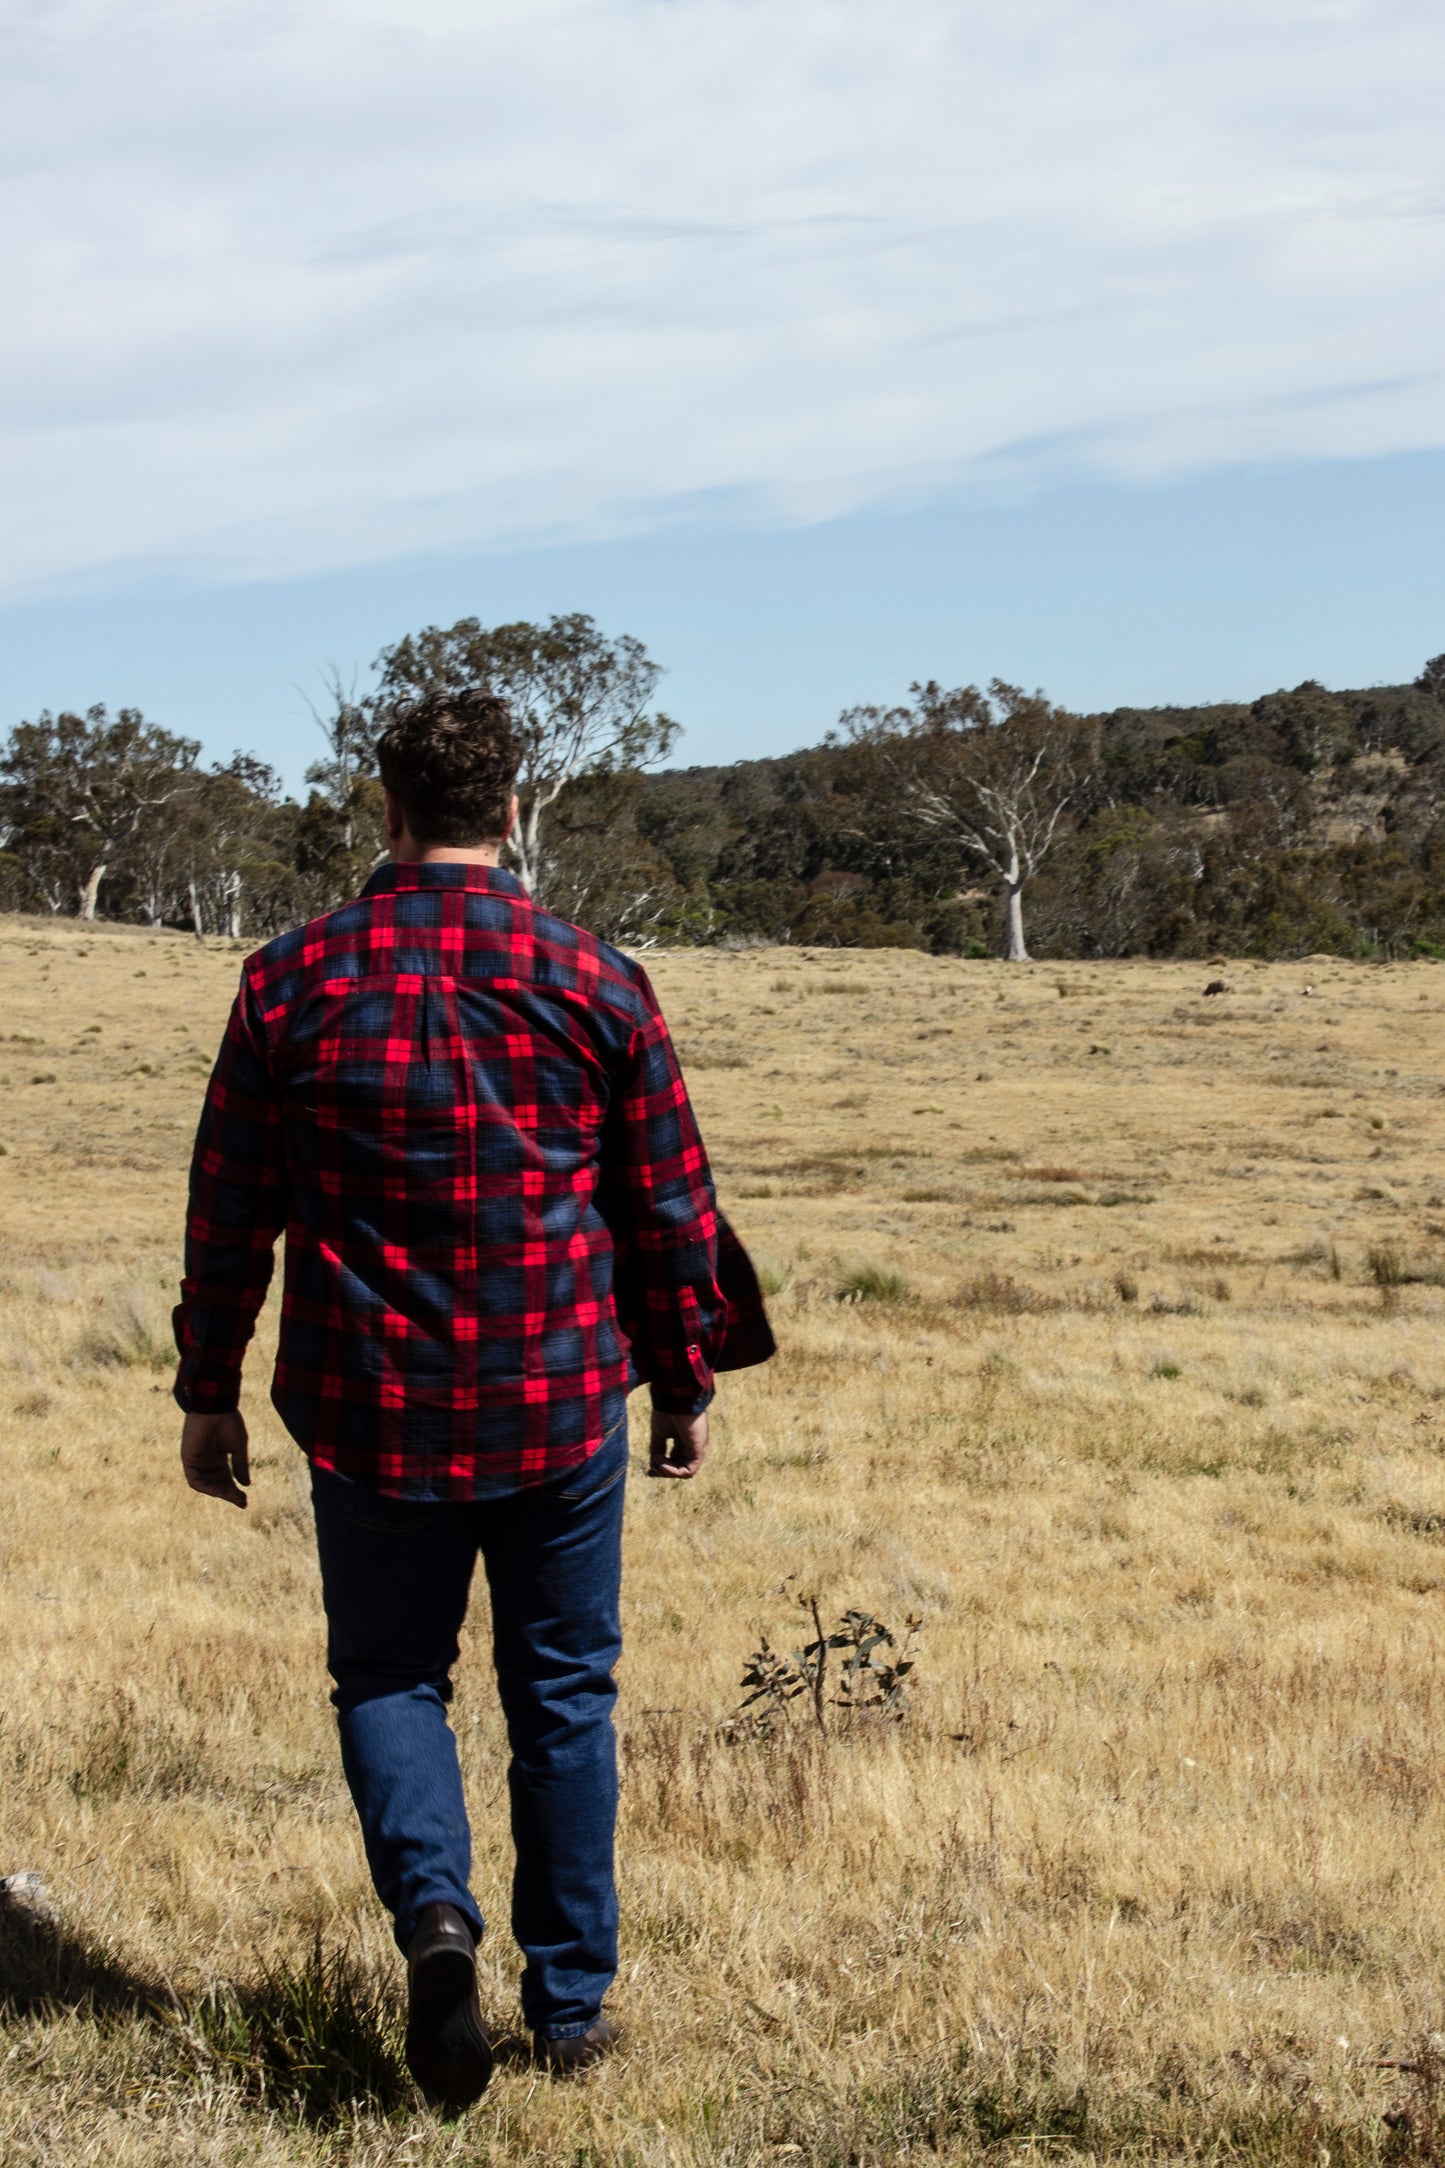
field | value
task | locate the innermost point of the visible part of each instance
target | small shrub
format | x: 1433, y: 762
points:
x: 869, y: 1682
x: 873, y: 1283
x: 1166, y: 1368
x: 773, y: 1279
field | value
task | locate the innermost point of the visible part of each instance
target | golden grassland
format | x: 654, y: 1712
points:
x: 1110, y: 1322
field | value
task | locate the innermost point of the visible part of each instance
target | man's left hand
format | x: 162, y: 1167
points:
x: 216, y: 1457
x: 679, y: 1444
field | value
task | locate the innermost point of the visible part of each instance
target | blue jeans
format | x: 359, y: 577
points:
x: 395, y: 1575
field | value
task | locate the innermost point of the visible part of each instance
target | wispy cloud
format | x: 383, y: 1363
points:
x: 291, y: 286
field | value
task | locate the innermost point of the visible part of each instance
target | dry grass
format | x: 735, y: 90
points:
x: 1136, y: 1392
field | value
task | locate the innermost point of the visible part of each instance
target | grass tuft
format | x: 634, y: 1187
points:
x: 129, y: 1334
x: 132, y: 1752
x: 319, y: 2040
x: 873, y: 1283
x: 1005, y: 1296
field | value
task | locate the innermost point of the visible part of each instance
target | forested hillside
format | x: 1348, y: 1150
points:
x: 1304, y: 820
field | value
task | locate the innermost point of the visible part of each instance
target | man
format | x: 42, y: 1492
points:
x: 468, y: 1117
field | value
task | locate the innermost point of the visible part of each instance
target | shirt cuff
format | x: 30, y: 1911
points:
x: 667, y: 1403
x: 207, y: 1396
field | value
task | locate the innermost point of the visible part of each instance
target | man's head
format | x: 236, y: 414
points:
x: 449, y: 762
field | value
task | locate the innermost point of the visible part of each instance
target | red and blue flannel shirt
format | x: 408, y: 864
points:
x: 468, y: 1117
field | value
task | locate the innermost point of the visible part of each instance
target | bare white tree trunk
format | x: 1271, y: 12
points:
x: 91, y: 891
x: 523, y: 843
x: 233, y: 905
x: 1017, y: 947
x: 196, y: 927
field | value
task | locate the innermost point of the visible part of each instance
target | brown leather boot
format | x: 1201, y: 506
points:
x: 447, y: 2049
x: 565, y: 2057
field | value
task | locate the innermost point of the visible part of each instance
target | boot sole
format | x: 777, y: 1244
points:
x: 447, y: 2051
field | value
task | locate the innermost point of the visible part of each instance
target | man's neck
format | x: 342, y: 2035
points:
x: 483, y: 854
x: 404, y: 850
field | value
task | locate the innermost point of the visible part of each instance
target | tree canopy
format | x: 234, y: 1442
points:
x: 1309, y: 818
x: 579, y: 701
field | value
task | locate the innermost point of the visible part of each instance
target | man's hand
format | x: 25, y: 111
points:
x: 679, y: 1444
x: 215, y: 1457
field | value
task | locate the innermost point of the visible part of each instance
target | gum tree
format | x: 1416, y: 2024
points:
x: 85, y: 788
x: 581, y: 702
x: 995, y: 771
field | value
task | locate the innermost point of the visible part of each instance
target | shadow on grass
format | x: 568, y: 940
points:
x: 44, y: 1970
x: 316, y: 2040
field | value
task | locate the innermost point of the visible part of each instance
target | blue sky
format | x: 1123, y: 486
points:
x: 820, y: 343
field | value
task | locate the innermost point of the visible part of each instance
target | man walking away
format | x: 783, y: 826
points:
x: 468, y: 1117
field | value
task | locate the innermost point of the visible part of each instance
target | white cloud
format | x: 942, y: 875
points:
x: 291, y: 286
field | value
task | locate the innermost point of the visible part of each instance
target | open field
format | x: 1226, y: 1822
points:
x: 1136, y: 1394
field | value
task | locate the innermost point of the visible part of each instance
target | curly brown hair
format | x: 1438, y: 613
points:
x: 451, y: 759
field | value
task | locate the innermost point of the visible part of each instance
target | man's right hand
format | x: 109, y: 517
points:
x: 215, y: 1456
x: 679, y: 1444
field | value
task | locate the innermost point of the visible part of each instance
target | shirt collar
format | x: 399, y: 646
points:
x: 391, y: 879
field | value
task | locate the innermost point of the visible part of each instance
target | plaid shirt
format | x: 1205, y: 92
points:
x: 470, y: 1121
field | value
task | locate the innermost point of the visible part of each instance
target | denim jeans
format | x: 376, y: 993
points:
x: 395, y: 1575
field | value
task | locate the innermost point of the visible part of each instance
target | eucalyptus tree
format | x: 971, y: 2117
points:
x: 81, y: 790
x: 996, y: 771
x: 581, y: 702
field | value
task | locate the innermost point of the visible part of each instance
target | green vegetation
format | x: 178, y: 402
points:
x: 1304, y: 821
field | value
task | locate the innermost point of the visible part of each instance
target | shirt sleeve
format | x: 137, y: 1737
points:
x: 677, y: 1313
x: 238, y: 1206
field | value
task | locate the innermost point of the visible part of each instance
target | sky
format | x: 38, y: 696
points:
x: 822, y: 344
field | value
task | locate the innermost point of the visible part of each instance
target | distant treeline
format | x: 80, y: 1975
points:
x: 1304, y: 820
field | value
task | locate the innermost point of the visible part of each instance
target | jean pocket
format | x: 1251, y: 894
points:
x: 379, y: 1515
x: 608, y: 1465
